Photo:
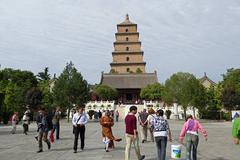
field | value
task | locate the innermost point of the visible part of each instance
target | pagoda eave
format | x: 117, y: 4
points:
x: 127, y: 33
x: 127, y: 63
x: 126, y: 42
x: 126, y: 24
x: 127, y: 53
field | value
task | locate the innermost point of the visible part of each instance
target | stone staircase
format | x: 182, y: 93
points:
x: 123, y: 109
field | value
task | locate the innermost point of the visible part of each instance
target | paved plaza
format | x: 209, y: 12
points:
x: 24, y: 147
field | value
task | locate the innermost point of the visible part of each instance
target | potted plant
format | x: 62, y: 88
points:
x: 108, y: 106
x: 168, y: 114
x: 89, y: 107
x: 102, y: 107
x: 91, y: 113
x: 157, y: 105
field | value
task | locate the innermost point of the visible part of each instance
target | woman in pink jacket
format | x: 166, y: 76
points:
x: 190, y: 129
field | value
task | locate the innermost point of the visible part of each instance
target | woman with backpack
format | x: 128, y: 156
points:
x: 190, y: 129
x: 161, y: 132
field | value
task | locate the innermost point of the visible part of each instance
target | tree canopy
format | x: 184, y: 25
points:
x: 14, y: 85
x: 152, y: 92
x: 105, y: 92
x: 44, y: 76
x: 231, y: 89
x: 185, y: 90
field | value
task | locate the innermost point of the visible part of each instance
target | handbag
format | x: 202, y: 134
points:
x: 51, y: 137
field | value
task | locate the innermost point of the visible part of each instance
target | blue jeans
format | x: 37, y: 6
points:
x: 57, y: 128
x: 161, y: 143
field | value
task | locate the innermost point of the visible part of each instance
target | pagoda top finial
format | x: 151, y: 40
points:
x: 127, y: 17
x: 127, y: 21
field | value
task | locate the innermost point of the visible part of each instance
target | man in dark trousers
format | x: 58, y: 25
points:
x: 79, y: 121
x: 43, y: 128
x: 143, y: 124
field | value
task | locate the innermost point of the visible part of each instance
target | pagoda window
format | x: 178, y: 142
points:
x: 126, y: 38
x: 127, y: 48
x: 126, y: 29
x: 128, y: 69
x: 127, y: 58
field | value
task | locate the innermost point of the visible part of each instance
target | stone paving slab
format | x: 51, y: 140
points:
x: 24, y: 147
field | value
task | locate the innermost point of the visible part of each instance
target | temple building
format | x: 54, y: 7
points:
x: 207, y: 82
x: 128, y: 74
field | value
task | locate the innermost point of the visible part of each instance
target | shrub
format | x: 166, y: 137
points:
x: 226, y: 116
x: 91, y: 113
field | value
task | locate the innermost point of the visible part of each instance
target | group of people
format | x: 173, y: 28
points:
x: 79, y: 121
x: 160, y: 130
x: 26, y: 121
x: 47, y: 122
x: 155, y: 122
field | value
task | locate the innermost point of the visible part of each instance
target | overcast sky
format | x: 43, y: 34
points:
x: 193, y: 36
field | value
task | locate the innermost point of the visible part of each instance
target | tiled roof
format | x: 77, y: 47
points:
x: 205, y: 78
x: 129, y: 80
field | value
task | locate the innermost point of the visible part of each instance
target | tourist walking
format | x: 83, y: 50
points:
x: 99, y: 114
x: 14, y: 120
x: 151, y: 116
x: 117, y: 115
x: 79, y: 121
x: 26, y: 121
x: 43, y: 128
x: 56, y: 122
x: 190, y: 129
x: 143, y: 124
x: 132, y: 134
x: 160, y: 131
x: 236, y: 130
x: 107, y: 122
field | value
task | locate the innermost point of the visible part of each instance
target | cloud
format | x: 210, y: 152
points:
x: 181, y: 35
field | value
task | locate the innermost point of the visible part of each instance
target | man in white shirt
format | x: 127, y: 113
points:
x: 79, y: 121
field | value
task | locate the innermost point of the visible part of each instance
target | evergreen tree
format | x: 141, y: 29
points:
x: 70, y: 88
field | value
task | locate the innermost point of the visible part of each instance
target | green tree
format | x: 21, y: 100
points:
x: 34, y: 97
x: 213, y: 103
x: 13, y: 85
x: 199, y: 97
x: 44, y: 76
x: 105, y: 92
x: 70, y: 88
x: 152, y: 92
x: 47, y: 99
x: 181, y: 88
x: 231, y: 89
